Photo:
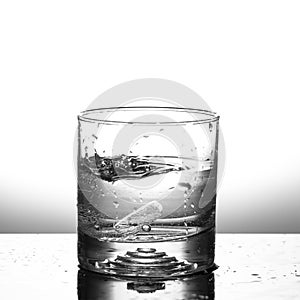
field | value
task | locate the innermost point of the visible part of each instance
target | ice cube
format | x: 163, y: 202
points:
x: 133, y: 222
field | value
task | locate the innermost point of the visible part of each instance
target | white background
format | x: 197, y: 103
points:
x: 242, y: 57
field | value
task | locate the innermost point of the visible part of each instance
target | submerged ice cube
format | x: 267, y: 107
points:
x: 134, y: 222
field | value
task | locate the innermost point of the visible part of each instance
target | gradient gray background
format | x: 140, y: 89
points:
x: 242, y: 57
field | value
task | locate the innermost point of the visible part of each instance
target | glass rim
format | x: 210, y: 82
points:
x: 210, y: 116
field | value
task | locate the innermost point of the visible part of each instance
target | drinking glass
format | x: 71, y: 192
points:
x: 147, y: 190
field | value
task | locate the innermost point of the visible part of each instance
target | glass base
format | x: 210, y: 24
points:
x: 181, y: 257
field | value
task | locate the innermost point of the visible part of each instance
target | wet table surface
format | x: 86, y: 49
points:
x: 251, y: 266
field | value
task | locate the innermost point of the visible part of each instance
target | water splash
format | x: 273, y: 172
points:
x: 185, y: 185
x: 122, y: 166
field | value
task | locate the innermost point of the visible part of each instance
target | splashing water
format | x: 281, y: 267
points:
x: 130, y: 167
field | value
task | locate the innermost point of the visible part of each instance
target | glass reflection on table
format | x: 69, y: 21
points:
x: 93, y: 286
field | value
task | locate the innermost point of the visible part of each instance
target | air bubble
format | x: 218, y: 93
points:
x: 97, y: 227
x: 146, y: 228
x: 192, y: 205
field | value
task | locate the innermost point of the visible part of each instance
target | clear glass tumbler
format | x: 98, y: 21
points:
x: 147, y: 190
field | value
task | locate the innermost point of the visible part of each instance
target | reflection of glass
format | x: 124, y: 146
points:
x: 147, y: 190
x: 97, y: 286
x: 146, y: 286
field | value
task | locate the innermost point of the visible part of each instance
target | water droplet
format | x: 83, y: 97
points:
x: 115, y: 194
x: 146, y: 227
x: 161, y: 129
x: 103, y: 151
x: 116, y: 204
x: 146, y: 136
x: 210, y: 127
x: 97, y: 227
x: 171, y: 188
